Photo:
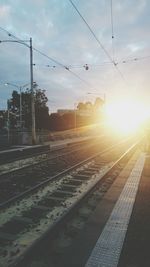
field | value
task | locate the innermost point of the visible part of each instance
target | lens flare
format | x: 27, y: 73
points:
x: 126, y: 116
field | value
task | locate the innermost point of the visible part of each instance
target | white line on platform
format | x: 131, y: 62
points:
x: 108, y: 248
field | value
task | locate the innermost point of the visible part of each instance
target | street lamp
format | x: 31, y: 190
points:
x: 20, y: 90
x: 23, y: 42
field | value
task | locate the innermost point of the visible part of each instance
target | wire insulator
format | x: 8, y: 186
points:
x: 86, y: 66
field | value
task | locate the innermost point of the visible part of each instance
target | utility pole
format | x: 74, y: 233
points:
x: 23, y: 42
x: 75, y: 117
x: 20, y: 109
x: 8, y: 122
x: 32, y: 96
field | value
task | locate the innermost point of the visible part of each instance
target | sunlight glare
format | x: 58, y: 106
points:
x: 125, y: 115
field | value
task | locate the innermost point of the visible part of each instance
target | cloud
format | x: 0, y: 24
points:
x: 4, y: 11
x: 58, y: 31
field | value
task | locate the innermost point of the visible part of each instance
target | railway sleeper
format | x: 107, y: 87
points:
x: 36, y: 212
x: 74, y: 182
x: 82, y: 177
x: 94, y: 169
x: 85, y: 173
x: 66, y: 187
x: 15, y: 226
x: 99, y: 162
x: 51, y: 201
x: 62, y: 193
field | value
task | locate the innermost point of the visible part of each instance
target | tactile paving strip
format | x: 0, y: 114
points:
x: 107, y: 250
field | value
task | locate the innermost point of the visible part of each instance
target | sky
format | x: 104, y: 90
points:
x: 58, y: 31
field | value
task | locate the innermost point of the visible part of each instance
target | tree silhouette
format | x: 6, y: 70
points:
x: 41, y: 109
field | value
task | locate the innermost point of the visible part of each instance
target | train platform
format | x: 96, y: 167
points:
x: 50, y: 144
x: 118, y: 232
x: 55, y: 139
x: 19, y: 152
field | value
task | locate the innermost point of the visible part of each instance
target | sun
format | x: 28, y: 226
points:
x: 126, y: 116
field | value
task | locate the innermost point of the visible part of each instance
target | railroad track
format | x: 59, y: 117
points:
x: 17, y: 183
x: 22, y: 154
x: 42, y: 157
x: 26, y: 222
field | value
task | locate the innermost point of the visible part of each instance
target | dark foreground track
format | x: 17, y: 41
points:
x: 23, y: 153
x: 30, y: 220
x: 26, y: 179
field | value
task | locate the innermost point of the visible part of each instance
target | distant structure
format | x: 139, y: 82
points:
x: 3, y: 118
x: 75, y: 111
x: 63, y: 111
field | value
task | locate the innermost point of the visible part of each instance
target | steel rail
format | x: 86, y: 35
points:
x: 28, y: 154
x: 46, y: 160
x: 64, y: 172
x: 53, y: 229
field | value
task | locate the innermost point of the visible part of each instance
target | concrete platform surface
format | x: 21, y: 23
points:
x: 118, y: 232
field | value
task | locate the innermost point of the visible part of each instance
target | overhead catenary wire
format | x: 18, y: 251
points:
x: 72, y: 66
x: 112, y: 29
x: 63, y: 66
x: 92, y: 32
x: 112, y: 23
x: 50, y: 58
x: 96, y: 38
x: 94, y: 65
x: 55, y: 61
x: 86, y: 66
x: 78, y: 66
x: 134, y: 59
x: 18, y: 39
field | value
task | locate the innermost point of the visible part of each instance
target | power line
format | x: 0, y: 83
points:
x: 86, y: 66
x: 112, y: 24
x: 112, y: 28
x: 120, y: 74
x: 101, y: 45
x: 11, y: 35
x: 112, y: 37
x: 92, y: 32
x: 134, y: 59
x: 50, y: 58
x: 65, y: 67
